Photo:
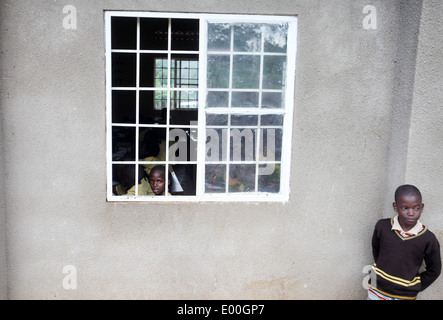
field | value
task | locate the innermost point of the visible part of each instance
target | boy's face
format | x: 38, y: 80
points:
x: 157, y: 182
x: 409, y: 209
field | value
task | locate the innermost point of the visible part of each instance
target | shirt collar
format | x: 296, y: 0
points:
x: 415, y: 230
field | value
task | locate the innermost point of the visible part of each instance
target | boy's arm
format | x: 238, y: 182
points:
x: 375, y: 243
x: 433, y: 265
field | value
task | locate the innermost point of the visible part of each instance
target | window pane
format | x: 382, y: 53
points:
x: 216, y: 119
x: 272, y: 100
x: 275, y: 36
x: 215, y: 178
x: 185, y: 33
x: 217, y: 99
x: 153, y: 34
x: 272, y: 120
x: 123, y: 179
x: 184, y: 179
x: 123, y: 143
x: 270, y: 144
x: 247, y: 37
x: 274, y: 70
x: 123, y: 106
x: 218, y: 71
x: 184, y: 71
x: 245, y: 99
x: 152, y: 145
x: 153, y: 70
x: 269, y: 178
x: 123, y: 69
x: 241, y: 178
x: 123, y: 33
x: 244, y: 120
x: 216, y: 144
x: 246, y: 72
x: 219, y: 37
x: 182, y: 144
x: 242, y: 144
x: 152, y: 107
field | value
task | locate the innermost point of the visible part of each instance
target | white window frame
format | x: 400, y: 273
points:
x: 201, y: 196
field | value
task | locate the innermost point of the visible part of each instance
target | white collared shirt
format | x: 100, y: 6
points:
x: 414, y: 230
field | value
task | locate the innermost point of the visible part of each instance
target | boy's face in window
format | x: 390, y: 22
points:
x: 157, y: 182
x: 409, y: 209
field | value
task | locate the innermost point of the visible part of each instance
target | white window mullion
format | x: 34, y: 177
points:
x: 137, y: 106
x: 202, y: 91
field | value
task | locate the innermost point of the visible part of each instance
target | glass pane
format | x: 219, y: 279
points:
x: 184, y: 34
x: 153, y: 34
x: 247, y: 37
x: 153, y: 70
x: 274, y: 69
x: 215, y: 178
x: 184, y: 179
x: 216, y: 144
x: 245, y: 99
x: 216, y: 119
x: 123, y: 179
x: 218, y: 71
x: 123, y: 33
x: 272, y: 100
x: 123, y: 69
x: 270, y: 144
x: 151, y: 110
x: 152, y: 145
x: 184, y: 71
x: 244, y: 120
x: 272, y: 120
x: 217, y: 99
x: 269, y: 178
x: 219, y: 37
x: 123, y: 143
x: 183, y: 144
x: 241, y: 178
x: 246, y: 72
x: 242, y: 144
x: 123, y: 106
x: 275, y: 37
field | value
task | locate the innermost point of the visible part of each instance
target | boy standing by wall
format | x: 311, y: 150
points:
x: 399, y: 246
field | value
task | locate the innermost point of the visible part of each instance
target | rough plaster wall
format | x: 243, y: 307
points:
x: 424, y: 163
x: 313, y: 247
x: 3, y: 259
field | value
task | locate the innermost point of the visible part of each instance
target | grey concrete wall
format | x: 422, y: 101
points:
x: 313, y: 247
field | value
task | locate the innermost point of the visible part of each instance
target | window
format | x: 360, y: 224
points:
x: 199, y: 106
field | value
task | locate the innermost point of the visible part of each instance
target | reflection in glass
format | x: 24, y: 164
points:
x: 241, y: 178
x: 269, y: 178
x: 123, y: 69
x: 219, y: 36
x: 247, y: 37
x: 218, y: 71
x: 274, y: 68
x: 270, y: 144
x: 153, y: 34
x: 215, y: 178
x: 244, y: 120
x: 246, y: 71
x: 185, y: 34
x: 216, y: 119
x: 217, y: 99
x: 275, y: 36
x: 123, y: 33
x: 123, y: 106
x: 242, y: 144
x: 123, y: 143
x: 272, y: 100
x: 215, y: 144
x: 245, y: 99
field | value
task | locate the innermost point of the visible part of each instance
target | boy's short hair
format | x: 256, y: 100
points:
x: 407, y: 189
